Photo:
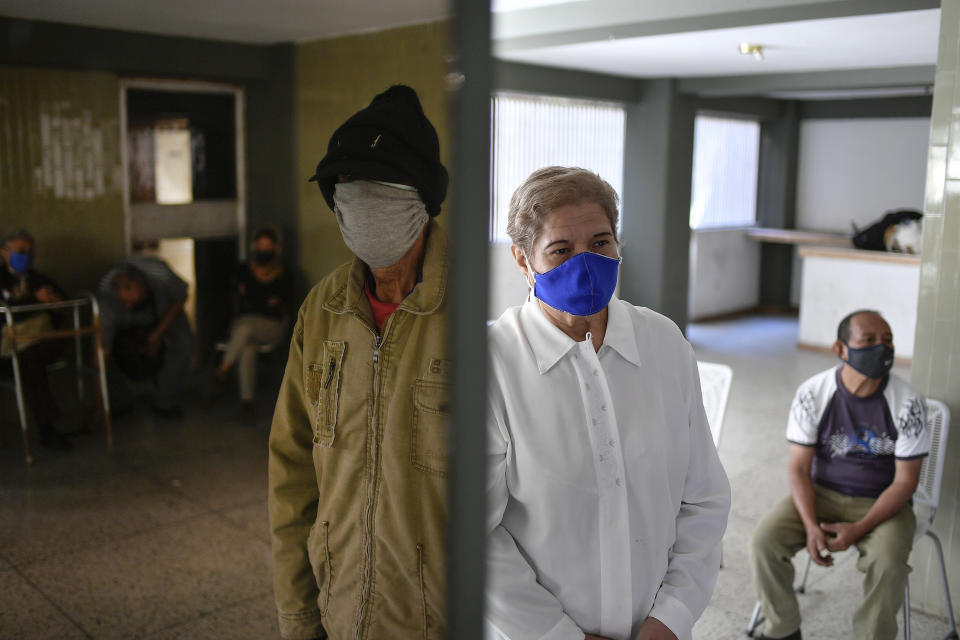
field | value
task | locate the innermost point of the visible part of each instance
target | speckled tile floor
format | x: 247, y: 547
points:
x: 767, y: 368
x: 165, y: 535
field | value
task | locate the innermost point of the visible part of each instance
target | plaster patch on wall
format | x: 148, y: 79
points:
x: 71, y: 163
x: 60, y: 168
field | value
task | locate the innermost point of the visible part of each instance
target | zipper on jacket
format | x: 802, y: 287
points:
x: 330, y: 370
x: 372, y: 484
x: 423, y: 590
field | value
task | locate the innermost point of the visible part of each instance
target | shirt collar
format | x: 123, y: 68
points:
x: 550, y: 344
x: 621, y: 335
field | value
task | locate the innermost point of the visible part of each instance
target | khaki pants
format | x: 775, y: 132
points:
x: 883, y: 561
x: 247, y: 333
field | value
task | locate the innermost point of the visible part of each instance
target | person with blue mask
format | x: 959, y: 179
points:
x: 21, y: 284
x: 607, y: 501
x: 858, y: 435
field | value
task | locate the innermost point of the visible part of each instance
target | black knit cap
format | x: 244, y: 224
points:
x: 391, y: 140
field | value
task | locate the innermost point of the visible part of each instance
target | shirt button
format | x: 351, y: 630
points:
x: 611, y: 443
x: 603, y: 408
x: 588, y: 387
x: 619, y: 482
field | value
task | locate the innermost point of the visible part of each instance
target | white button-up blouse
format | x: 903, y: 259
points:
x: 607, y: 501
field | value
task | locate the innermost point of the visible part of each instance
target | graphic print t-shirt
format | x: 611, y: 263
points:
x: 858, y: 439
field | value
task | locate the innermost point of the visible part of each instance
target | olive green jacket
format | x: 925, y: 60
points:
x: 358, y: 458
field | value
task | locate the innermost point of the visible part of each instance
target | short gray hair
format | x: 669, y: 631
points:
x: 127, y: 272
x: 19, y: 234
x: 552, y: 187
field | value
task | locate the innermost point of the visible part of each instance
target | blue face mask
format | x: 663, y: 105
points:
x: 20, y: 263
x: 581, y: 286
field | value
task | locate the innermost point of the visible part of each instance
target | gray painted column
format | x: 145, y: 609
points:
x: 658, y: 164
x: 936, y: 353
x: 467, y: 342
x: 776, y: 202
x: 271, y: 157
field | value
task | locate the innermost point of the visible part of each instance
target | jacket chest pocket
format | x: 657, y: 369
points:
x: 430, y: 416
x: 323, y: 391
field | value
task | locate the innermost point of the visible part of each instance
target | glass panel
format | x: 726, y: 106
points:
x: 531, y: 132
x: 197, y: 132
x: 172, y: 159
x: 725, y: 163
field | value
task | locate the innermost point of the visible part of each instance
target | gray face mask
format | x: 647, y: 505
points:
x: 379, y: 221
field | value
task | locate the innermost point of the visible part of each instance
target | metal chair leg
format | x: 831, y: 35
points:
x: 102, y: 374
x: 946, y: 585
x: 21, y: 408
x: 906, y: 610
x: 78, y: 347
x: 802, y: 587
x: 755, y: 620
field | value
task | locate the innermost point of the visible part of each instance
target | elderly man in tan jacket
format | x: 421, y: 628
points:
x: 358, y: 447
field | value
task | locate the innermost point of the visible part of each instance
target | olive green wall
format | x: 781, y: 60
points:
x: 337, y: 77
x: 60, y: 169
x: 80, y: 67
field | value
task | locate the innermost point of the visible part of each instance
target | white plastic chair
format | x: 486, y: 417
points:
x: 715, y: 386
x: 927, y: 494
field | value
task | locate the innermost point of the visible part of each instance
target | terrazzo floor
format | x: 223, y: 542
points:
x: 165, y: 535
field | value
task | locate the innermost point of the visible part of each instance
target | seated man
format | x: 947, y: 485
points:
x: 145, y: 330
x: 857, y: 436
x: 262, y: 290
x: 20, y: 284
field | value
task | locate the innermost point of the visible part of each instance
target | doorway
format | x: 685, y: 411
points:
x: 184, y: 189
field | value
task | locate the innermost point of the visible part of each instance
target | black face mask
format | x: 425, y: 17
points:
x: 874, y: 361
x: 263, y: 257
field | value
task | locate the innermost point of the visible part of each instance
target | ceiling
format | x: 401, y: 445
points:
x: 907, y: 38
x: 249, y: 21
x: 633, y: 38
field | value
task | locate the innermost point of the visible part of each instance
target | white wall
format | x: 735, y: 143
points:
x: 507, y: 286
x: 835, y: 286
x: 724, y: 272
x: 855, y: 170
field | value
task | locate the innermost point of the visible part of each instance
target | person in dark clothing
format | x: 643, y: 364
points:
x: 21, y: 284
x: 262, y: 289
x: 145, y: 331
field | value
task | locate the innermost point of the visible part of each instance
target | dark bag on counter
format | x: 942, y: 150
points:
x: 872, y: 237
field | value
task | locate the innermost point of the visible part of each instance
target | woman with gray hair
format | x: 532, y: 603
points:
x: 607, y: 501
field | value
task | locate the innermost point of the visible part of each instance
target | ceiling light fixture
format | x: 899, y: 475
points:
x: 755, y: 50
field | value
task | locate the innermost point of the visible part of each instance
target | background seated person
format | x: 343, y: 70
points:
x: 262, y: 290
x: 145, y: 331
x: 20, y: 284
x: 857, y: 437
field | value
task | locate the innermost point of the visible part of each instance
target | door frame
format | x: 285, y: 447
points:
x: 186, y: 86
